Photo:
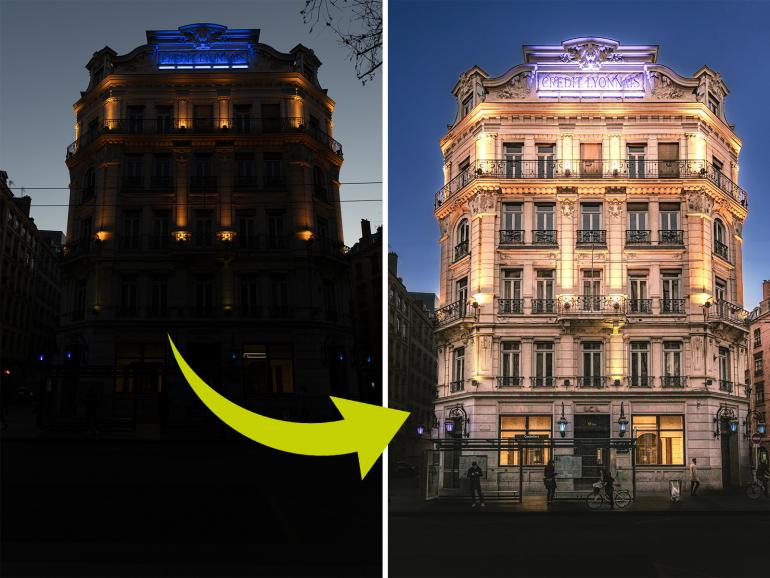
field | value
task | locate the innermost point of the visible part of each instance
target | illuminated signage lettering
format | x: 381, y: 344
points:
x: 590, y: 84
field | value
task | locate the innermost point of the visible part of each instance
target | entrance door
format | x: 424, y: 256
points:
x: 592, y: 443
x: 590, y: 160
x: 725, y: 438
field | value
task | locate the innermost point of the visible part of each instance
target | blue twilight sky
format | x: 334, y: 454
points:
x: 431, y: 43
x: 45, y: 45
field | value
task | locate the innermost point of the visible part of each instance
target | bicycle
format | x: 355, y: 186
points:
x: 595, y: 499
x: 755, y: 490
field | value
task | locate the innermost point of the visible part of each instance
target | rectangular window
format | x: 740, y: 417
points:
x: 275, y: 230
x: 273, y: 170
x: 511, y: 284
x: 638, y: 301
x: 637, y: 216
x: 672, y: 363
x: 164, y: 118
x: 512, y: 217
x: 640, y: 357
x: 513, y: 153
x: 543, y: 364
x: 458, y: 370
x: 591, y: 216
x: 534, y: 429
x: 204, y: 295
x: 672, y: 301
x: 720, y: 289
x: 279, y: 295
x: 510, y: 359
x: 203, y: 117
x: 758, y: 365
x: 131, y: 229
x: 159, y: 295
x: 544, y: 283
x: 636, y: 154
x: 160, y: 231
x: 668, y: 160
x: 544, y: 217
x: 713, y: 104
x: 139, y: 367
x: 759, y: 393
x: 592, y: 364
x: 203, y: 234
x: 268, y: 369
x: 725, y: 383
x: 590, y: 160
x: 128, y: 295
x: 271, y: 117
x: 659, y: 439
x: 135, y: 118
x: 669, y: 217
x: 242, y: 117
x: 467, y: 105
x: 546, y: 160
x: 757, y: 338
x: 251, y: 302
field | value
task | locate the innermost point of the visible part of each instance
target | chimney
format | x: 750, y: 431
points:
x: 393, y: 263
x: 366, y: 229
x: 24, y: 204
x: 765, y: 290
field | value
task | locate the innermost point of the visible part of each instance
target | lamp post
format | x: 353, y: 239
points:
x: 622, y: 421
x: 759, y: 418
x: 420, y: 430
x: 728, y: 414
x: 562, y: 422
x: 458, y: 416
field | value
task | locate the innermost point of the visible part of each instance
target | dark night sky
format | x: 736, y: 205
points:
x: 45, y: 45
x: 431, y: 43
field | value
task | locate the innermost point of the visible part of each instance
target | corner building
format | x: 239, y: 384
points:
x: 591, y: 272
x: 204, y: 203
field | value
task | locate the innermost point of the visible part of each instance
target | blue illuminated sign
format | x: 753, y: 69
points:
x: 203, y: 46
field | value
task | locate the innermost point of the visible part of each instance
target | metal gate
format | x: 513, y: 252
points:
x: 514, y: 467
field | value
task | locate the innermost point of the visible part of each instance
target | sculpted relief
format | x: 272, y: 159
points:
x: 483, y: 202
x: 699, y: 202
x: 520, y: 86
x: 663, y: 87
x: 568, y: 208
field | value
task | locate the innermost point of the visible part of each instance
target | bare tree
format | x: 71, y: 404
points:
x: 357, y: 24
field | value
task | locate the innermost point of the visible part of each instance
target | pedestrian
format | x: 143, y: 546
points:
x: 694, y: 481
x: 474, y: 475
x: 609, y: 487
x: 763, y: 472
x: 91, y: 402
x: 550, y: 480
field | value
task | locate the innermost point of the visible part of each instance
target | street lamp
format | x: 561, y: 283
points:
x: 728, y: 414
x: 622, y: 421
x: 759, y: 418
x: 420, y: 430
x: 449, y: 425
x: 562, y: 422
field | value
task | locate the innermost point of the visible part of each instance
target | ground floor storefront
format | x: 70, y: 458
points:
x: 644, y: 443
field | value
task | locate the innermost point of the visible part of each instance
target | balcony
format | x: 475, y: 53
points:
x: 544, y: 237
x: 456, y: 386
x: 500, y: 169
x: 670, y: 237
x: 462, y: 249
x: 672, y: 306
x: 548, y: 381
x: 732, y: 313
x: 510, y: 306
x: 591, y: 381
x: 205, y: 126
x: 672, y: 381
x: 509, y: 381
x: 511, y: 237
x: 591, y: 238
x: 591, y: 305
x: 640, y: 381
x: 544, y: 306
x: 638, y: 237
x: 720, y: 250
x: 515, y: 238
x: 639, y: 306
x: 452, y: 312
x: 725, y: 385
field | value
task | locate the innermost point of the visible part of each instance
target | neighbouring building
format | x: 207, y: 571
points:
x: 365, y: 259
x: 760, y: 352
x: 591, y: 274
x: 411, y: 365
x: 204, y: 204
x: 30, y: 294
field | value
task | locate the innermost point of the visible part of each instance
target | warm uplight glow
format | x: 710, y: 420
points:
x: 700, y: 298
x: 182, y: 236
x: 482, y: 298
x: 226, y: 236
x: 102, y: 235
x: 305, y: 234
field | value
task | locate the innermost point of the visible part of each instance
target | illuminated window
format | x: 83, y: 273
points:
x: 139, y: 367
x: 659, y: 439
x: 535, y: 429
x: 268, y: 368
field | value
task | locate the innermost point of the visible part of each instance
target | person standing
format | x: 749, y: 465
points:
x: 474, y: 475
x: 763, y: 473
x: 550, y: 480
x: 694, y: 481
x: 609, y: 487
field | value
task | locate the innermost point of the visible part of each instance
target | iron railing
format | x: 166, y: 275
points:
x: 720, y: 250
x: 670, y: 237
x: 544, y: 237
x: 639, y: 306
x: 187, y: 126
x: 591, y: 237
x: 461, y: 250
x: 673, y: 306
x: 722, y: 310
x: 511, y: 237
x: 594, y: 169
x: 640, y: 381
x: 672, y: 381
x: 725, y: 385
x: 638, y: 237
x: 510, y: 306
x: 595, y: 381
x: 451, y: 312
x: 457, y: 385
x: 517, y: 237
x: 543, y: 381
x: 544, y: 306
x: 509, y: 381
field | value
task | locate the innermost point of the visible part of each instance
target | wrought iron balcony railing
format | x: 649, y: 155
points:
x: 589, y: 238
x: 547, y: 306
x: 452, y: 312
x: 457, y: 385
x: 510, y: 306
x: 639, y: 306
x: 720, y: 250
x: 509, y: 381
x: 591, y: 304
x: 638, y: 237
x: 672, y: 306
x: 725, y: 385
x: 672, y: 381
x: 595, y: 381
x: 511, y: 237
x: 462, y: 249
x: 722, y: 310
x: 670, y: 237
x: 543, y: 381
x: 591, y: 169
x: 640, y: 381
x: 187, y: 126
x: 544, y: 237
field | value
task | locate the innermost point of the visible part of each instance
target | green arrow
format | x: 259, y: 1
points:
x: 364, y: 429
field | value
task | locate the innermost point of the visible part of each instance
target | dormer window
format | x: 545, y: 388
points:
x: 98, y: 74
x: 713, y: 104
x: 467, y: 105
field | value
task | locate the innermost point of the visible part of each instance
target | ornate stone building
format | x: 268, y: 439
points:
x: 760, y: 352
x: 205, y: 204
x: 591, y: 273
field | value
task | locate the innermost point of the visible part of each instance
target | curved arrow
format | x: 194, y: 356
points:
x: 364, y: 429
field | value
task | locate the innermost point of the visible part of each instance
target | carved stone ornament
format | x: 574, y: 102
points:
x: 483, y: 202
x: 568, y: 207
x: 616, y: 208
x: 486, y: 342
x: 590, y: 55
x: 739, y: 228
x: 444, y: 227
x: 699, y: 202
x: 520, y: 86
x: 663, y: 87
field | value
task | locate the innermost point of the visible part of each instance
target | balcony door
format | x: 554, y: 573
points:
x: 668, y: 160
x: 592, y: 290
x: 592, y: 363
x: 513, y: 160
x: 636, y: 155
x: 512, y: 284
x: 671, y: 293
x: 203, y: 118
x: 544, y: 292
x: 590, y: 160
x: 461, y: 292
x: 546, y: 155
x: 638, y: 295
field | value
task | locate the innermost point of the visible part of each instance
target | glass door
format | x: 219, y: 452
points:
x: 636, y: 154
x: 513, y: 160
x: 638, y: 303
x: 592, y: 364
x: 592, y: 291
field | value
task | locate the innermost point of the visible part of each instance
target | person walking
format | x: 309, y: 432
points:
x: 694, y: 481
x: 609, y: 487
x: 550, y: 480
x: 474, y: 475
x: 763, y: 473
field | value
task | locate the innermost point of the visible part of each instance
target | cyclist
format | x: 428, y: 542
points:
x: 763, y: 473
x: 609, y: 489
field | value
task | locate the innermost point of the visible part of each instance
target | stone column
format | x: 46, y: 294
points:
x: 182, y: 179
x: 699, y: 230
x: 615, y: 215
x: 225, y: 184
x: 527, y: 360
x: 655, y: 363
x: 483, y: 250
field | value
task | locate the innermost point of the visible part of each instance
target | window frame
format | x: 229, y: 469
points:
x: 528, y: 454
x: 658, y: 430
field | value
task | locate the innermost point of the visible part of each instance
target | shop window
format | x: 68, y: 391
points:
x: 659, y: 439
x: 533, y: 428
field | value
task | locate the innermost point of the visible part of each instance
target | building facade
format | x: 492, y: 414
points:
x: 411, y: 365
x: 205, y: 204
x: 591, y: 274
x: 29, y: 308
x: 760, y: 352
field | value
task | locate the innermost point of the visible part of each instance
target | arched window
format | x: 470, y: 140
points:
x: 720, y: 239
x: 89, y: 185
x: 319, y: 183
x: 462, y: 245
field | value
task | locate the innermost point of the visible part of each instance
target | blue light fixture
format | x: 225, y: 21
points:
x: 733, y: 425
x: 562, y: 422
x: 420, y: 430
x: 41, y: 357
x: 449, y: 425
x: 622, y: 421
x: 761, y: 428
x: 68, y: 355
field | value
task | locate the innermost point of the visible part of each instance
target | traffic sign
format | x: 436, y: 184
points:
x: 755, y: 439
